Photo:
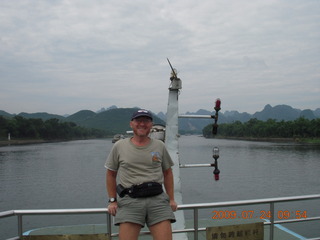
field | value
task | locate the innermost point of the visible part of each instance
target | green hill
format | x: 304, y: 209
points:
x: 113, y: 120
x: 81, y: 116
x: 5, y: 114
x: 42, y: 115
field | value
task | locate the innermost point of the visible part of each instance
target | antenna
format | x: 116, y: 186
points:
x: 173, y: 70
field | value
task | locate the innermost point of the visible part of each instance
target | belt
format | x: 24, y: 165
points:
x: 147, y: 189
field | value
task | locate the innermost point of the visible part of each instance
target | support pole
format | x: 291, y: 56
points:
x: 173, y: 149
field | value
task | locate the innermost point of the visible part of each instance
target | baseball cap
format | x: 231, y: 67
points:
x: 141, y: 113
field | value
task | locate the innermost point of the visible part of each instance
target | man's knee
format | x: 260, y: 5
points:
x: 129, y: 231
x: 161, y: 230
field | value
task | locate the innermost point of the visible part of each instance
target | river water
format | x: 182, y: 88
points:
x: 72, y: 175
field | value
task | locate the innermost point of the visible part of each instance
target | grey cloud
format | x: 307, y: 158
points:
x: 98, y: 53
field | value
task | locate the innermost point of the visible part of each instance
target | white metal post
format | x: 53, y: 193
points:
x: 172, y: 146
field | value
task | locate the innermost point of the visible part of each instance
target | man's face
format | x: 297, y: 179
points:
x: 141, y: 126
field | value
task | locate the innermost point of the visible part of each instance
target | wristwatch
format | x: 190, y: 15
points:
x: 111, y: 200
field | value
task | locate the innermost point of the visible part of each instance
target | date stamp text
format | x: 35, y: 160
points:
x: 250, y: 214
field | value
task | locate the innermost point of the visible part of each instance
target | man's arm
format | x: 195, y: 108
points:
x: 111, y: 184
x: 168, y: 185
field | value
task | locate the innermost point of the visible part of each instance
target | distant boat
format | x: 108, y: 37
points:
x: 117, y: 137
x: 158, y: 132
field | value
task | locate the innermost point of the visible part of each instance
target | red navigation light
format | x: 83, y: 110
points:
x: 218, y: 104
x: 216, y: 173
x: 216, y: 177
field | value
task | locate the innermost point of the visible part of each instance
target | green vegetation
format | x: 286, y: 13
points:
x: 301, y: 128
x: 51, y: 129
x: 114, y: 120
x: 84, y: 124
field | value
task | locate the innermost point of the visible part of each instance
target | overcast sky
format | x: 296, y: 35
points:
x: 64, y: 56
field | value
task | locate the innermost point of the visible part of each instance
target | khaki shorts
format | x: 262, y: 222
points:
x: 149, y: 210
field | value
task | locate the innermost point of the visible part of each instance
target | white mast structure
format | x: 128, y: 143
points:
x: 171, y: 141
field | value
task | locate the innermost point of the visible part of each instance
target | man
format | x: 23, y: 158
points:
x: 136, y: 169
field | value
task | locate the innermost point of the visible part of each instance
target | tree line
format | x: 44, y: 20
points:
x: 254, y: 128
x: 52, y: 129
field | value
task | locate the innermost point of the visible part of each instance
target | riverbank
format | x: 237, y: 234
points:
x: 315, y: 141
x: 22, y: 142
x: 276, y: 140
x: 4, y: 143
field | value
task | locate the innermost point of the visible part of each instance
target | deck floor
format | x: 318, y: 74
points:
x: 280, y: 232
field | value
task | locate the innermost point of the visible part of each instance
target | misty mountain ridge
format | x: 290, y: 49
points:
x: 278, y: 112
x: 117, y: 119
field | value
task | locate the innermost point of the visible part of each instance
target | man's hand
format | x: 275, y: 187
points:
x: 173, y: 205
x: 112, y: 208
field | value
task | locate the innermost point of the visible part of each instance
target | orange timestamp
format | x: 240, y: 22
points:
x: 250, y: 214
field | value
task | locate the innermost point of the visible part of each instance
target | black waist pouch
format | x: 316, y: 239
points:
x: 147, y: 189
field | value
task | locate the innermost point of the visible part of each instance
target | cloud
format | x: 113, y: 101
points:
x: 65, y: 56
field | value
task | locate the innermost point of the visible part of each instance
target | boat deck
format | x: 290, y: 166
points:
x: 97, y: 231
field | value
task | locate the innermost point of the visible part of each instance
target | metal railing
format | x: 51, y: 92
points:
x: 194, y: 207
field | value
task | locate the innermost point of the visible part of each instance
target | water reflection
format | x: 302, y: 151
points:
x: 249, y: 170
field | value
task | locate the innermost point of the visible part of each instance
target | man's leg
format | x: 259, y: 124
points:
x: 129, y: 231
x: 161, y: 230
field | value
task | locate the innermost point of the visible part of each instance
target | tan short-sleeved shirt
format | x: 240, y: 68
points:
x: 136, y: 165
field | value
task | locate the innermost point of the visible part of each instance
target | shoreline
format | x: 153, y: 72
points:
x: 262, y: 139
x: 4, y: 143
x: 275, y: 140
